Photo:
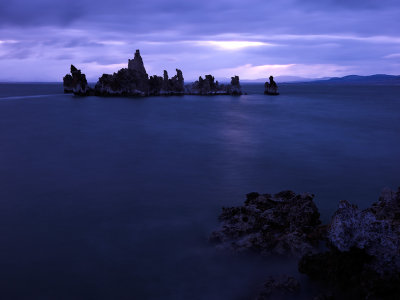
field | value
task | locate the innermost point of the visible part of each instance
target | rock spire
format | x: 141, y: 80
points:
x: 137, y: 63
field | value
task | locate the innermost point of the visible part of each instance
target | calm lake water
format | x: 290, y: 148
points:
x: 114, y: 198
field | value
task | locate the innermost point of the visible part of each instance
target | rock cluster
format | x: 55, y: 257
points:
x: 164, y: 86
x: 363, y: 255
x: 131, y: 81
x: 271, y: 88
x: 134, y: 81
x: 284, y: 224
x: 208, y: 86
x: 76, y: 83
x: 126, y: 82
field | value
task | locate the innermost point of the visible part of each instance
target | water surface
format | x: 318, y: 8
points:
x: 105, y: 198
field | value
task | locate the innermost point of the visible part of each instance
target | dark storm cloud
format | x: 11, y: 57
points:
x: 102, y: 35
x: 347, y: 4
x: 40, y: 12
x: 198, y: 16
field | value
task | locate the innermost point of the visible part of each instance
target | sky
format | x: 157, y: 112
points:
x: 39, y: 39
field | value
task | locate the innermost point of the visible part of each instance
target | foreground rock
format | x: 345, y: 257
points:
x: 134, y: 81
x: 285, y: 223
x: 363, y: 256
x: 271, y: 88
x: 76, y: 83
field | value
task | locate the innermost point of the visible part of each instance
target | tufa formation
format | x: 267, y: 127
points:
x: 134, y: 81
x: 285, y: 224
x: 271, y: 88
x: 76, y: 83
x: 361, y: 255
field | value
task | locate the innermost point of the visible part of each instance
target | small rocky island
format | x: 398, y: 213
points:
x: 134, y: 81
x: 271, y: 88
x: 355, y: 256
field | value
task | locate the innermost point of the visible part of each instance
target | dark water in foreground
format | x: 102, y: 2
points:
x: 104, y: 198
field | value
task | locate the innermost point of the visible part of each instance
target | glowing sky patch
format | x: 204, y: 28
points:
x: 308, y: 71
x: 394, y: 55
x: 232, y: 45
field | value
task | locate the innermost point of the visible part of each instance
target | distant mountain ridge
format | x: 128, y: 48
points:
x: 358, y: 79
x: 372, y: 79
x: 284, y: 79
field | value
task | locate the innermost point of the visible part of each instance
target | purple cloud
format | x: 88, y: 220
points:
x: 38, y: 40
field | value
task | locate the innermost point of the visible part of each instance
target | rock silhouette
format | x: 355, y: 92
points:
x: 136, y: 64
x: 208, y: 86
x: 76, y: 83
x: 134, y: 81
x: 271, y: 88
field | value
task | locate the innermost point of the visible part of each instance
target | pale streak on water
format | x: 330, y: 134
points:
x: 30, y: 97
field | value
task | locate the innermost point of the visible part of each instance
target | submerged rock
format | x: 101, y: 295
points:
x: 285, y: 223
x: 208, y: 86
x: 76, y: 83
x: 363, y: 256
x: 279, y: 287
x: 271, y: 88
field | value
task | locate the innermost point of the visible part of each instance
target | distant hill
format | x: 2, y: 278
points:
x: 372, y: 79
x: 283, y: 79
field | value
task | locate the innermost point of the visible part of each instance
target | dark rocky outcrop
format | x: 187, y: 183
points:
x: 176, y: 84
x: 285, y: 223
x: 235, y: 88
x: 68, y: 83
x: 208, y: 86
x: 363, y: 255
x: 126, y: 82
x: 76, y: 83
x: 361, y: 259
x: 136, y: 64
x: 271, y: 88
x: 155, y: 85
x: 131, y: 81
x: 163, y: 86
x: 134, y: 81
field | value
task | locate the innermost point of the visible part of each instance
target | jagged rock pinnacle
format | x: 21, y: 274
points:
x: 137, y: 63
